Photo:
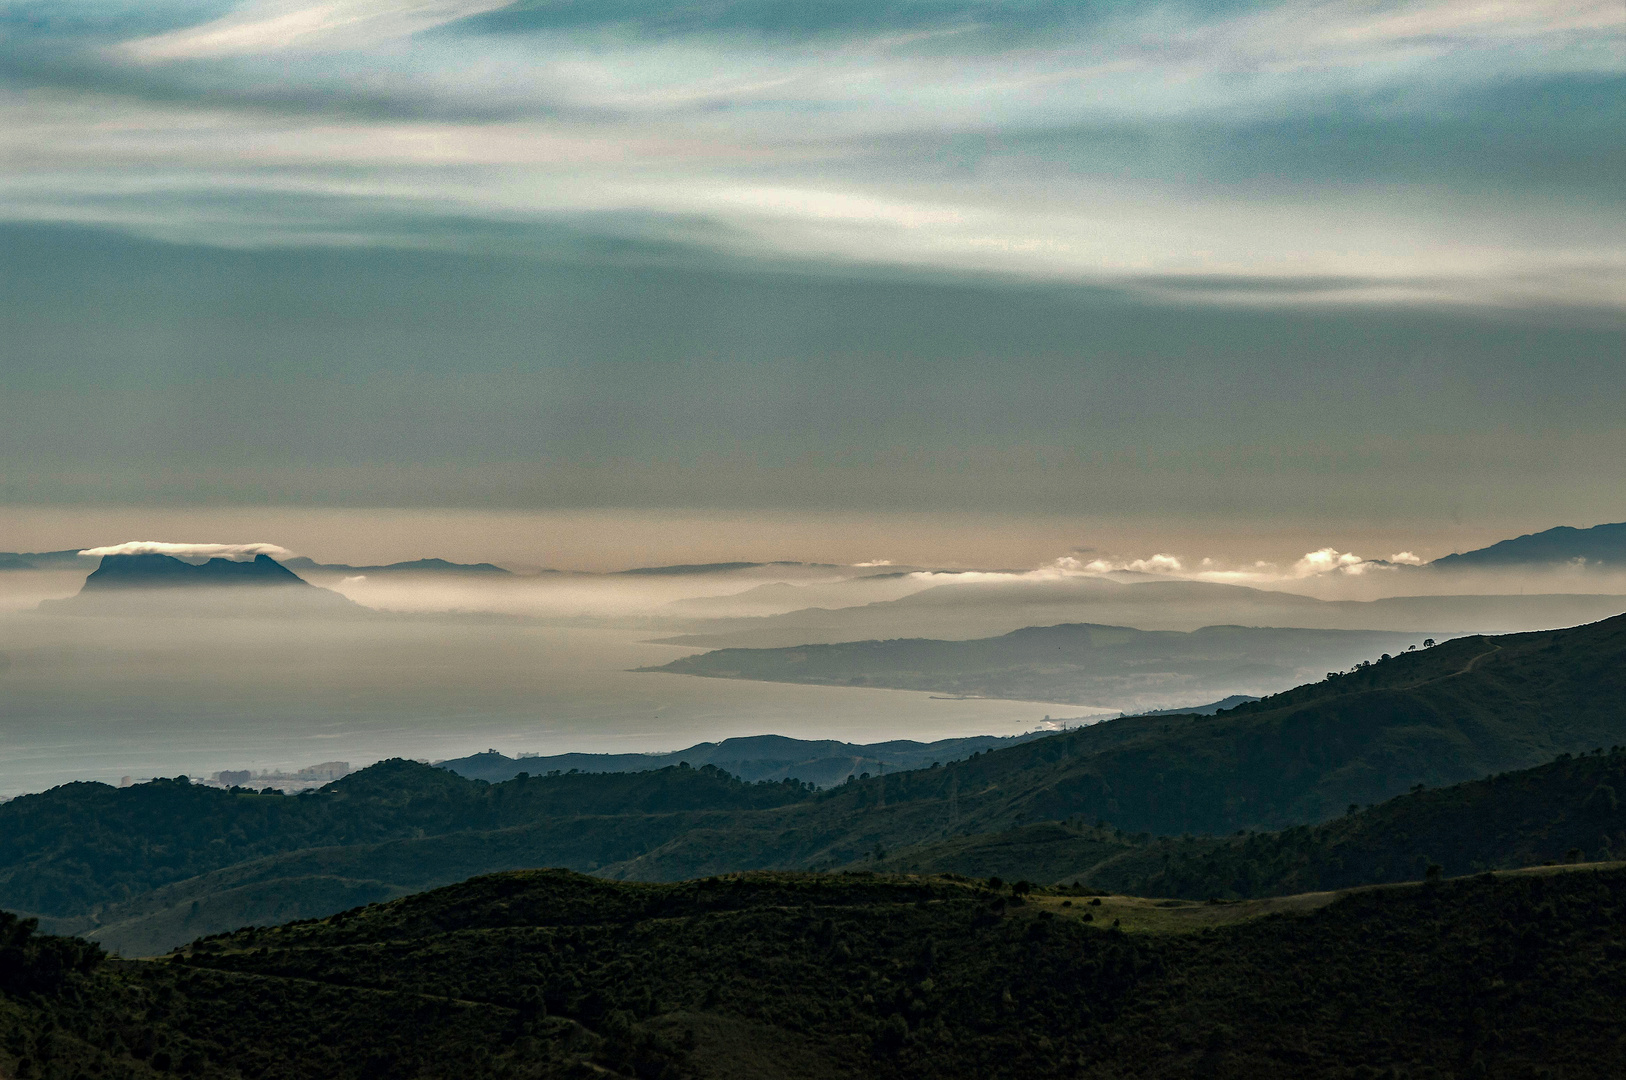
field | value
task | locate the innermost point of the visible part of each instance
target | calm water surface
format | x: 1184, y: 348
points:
x: 103, y: 698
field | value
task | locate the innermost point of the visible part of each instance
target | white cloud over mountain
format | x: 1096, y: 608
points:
x: 190, y: 551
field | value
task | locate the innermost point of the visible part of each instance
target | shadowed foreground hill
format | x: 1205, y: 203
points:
x: 545, y: 974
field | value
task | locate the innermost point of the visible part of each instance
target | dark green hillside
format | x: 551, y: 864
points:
x: 547, y: 973
x: 1049, y: 851
x: 1566, y: 811
x: 1459, y: 711
x: 318, y: 881
x: 73, y: 848
x: 1456, y: 712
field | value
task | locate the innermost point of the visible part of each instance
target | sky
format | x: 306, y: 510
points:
x: 846, y: 279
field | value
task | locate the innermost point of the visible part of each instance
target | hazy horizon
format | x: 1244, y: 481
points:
x: 1031, y: 301
x: 453, y: 664
x: 608, y: 540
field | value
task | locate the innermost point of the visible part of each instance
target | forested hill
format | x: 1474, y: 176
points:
x: 1456, y: 712
x: 70, y: 849
x: 1567, y: 811
x: 1459, y: 711
x: 753, y: 757
x: 550, y: 974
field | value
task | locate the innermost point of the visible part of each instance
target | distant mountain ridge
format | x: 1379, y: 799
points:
x: 165, y: 585
x: 410, y: 567
x: 1205, y: 710
x: 152, y: 571
x: 1084, y: 664
x: 966, y: 610
x: 42, y: 560
x: 751, y: 758
x: 681, y: 569
x: 1600, y: 545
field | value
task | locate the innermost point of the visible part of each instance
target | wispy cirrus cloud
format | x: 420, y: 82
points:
x: 273, y: 26
x: 1040, y: 140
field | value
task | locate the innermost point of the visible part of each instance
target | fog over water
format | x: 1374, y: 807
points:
x: 92, y: 697
x: 436, y: 664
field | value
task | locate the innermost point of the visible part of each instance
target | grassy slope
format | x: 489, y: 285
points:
x: 549, y: 974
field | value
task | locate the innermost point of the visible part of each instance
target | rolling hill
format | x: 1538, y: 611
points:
x: 1460, y: 711
x: 69, y: 851
x: 823, y: 762
x: 548, y: 973
x: 1566, y: 811
x: 1601, y: 545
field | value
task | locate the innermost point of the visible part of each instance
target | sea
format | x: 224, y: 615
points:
x: 123, y: 699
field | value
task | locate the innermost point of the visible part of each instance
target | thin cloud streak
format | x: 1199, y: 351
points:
x: 829, y: 147
x: 266, y: 26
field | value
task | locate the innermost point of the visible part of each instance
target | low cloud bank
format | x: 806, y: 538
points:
x: 1323, y: 562
x: 1326, y: 563
x: 239, y: 552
